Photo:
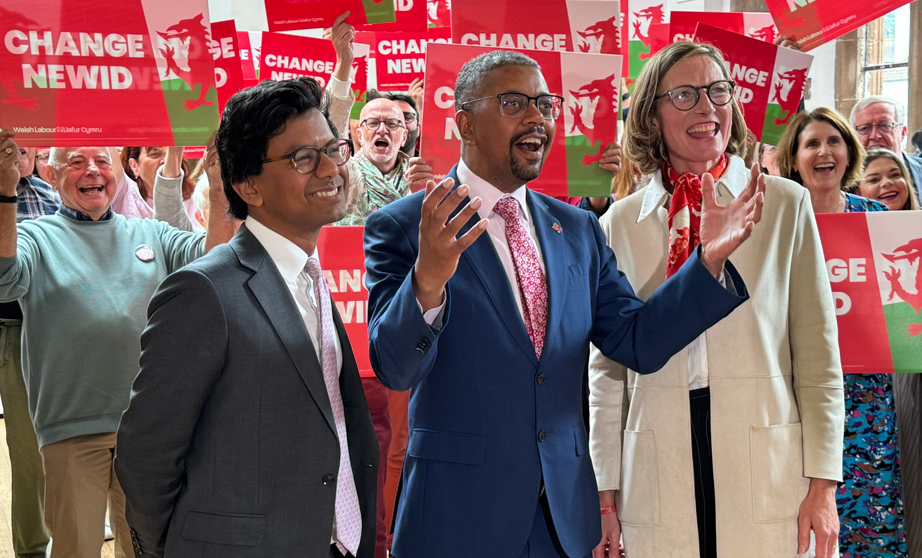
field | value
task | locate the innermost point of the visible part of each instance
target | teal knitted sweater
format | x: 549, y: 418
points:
x: 84, y: 287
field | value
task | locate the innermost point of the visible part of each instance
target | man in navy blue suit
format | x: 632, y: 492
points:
x: 492, y: 331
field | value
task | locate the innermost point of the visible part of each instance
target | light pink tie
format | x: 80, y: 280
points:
x: 348, y: 514
x: 532, y: 283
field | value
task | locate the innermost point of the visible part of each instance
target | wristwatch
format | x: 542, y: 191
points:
x: 8, y: 199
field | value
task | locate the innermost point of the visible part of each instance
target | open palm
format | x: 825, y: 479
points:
x: 724, y: 229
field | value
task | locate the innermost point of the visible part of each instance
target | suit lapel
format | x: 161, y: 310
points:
x: 556, y: 258
x: 272, y: 294
x: 482, y: 257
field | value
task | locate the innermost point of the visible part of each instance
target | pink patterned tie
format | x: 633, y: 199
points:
x: 348, y: 515
x: 532, y: 283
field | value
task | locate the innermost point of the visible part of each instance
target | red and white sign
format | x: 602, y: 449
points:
x: 814, y: 22
x: 401, y: 57
x: 342, y: 256
x: 751, y: 24
x: 292, y: 15
x: 589, y: 83
x: 438, y: 13
x: 769, y: 79
x: 290, y: 56
x: 227, y: 68
x: 141, y: 75
x: 250, y: 45
x: 591, y: 26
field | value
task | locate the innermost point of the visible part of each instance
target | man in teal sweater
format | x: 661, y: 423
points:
x: 84, y: 277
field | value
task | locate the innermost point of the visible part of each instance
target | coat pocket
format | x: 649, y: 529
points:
x: 447, y: 446
x: 224, y: 528
x: 776, y: 457
x: 640, y: 502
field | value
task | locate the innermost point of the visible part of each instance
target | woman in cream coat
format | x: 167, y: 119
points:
x: 734, y: 448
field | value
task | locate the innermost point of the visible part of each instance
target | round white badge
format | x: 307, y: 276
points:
x: 145, y: 253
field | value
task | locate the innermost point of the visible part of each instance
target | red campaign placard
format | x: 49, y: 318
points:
x: 591, y: 26
x: 411, y: 17
x: 289, y: 56
x: 814, y: 22
x: 863, y: 342
x: 682, y: 25
x: 227, y: 64
x: 250, y: 44
x: 292, y: 15
x: 342, y: 257
x: 140, y: 76
x: 658, y: 36
x: 438, y: 13
x: 401, y: 57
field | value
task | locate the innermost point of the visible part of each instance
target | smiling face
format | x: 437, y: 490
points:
x: 821, y: 157
x: 695, y: 138
x: 381, y: 146
x: 884, y: 181
x: 288, y: 202
x: 86, y: 182
x: 768, y: 160
x: 507, y: 151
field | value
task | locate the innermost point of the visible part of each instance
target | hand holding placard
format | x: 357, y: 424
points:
x: 9, y: 163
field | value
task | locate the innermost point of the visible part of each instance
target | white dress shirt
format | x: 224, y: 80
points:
x: 496, y: 228
x: 290, y: 260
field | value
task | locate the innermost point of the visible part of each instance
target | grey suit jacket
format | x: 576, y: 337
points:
x: 228, y: 447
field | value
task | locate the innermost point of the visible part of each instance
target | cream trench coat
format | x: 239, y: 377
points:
x: 777, y: 407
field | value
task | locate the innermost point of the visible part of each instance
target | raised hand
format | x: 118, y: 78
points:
x: 439, y: 247
x: 724, y: 229
x: 611, y: 158
x: 9, y: 163
x: 419, y: 174
x: 342, y: 36
x: 416, y: 92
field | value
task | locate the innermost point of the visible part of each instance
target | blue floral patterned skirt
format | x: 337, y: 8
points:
x: 870, y: 500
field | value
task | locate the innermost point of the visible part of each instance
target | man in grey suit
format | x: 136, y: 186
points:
x: 248, y: 433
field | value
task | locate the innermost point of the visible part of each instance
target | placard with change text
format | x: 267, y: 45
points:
x: 400, y: 58
x: 342, y: 257
x: 873, y: 263
x: 143, y: 75
x: 285, y: 56
x: 227, y: 65
x: 589, y: 83
x: 770, y: 80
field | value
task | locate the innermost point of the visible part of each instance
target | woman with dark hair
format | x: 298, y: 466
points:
x: 735, y: 444
x: 887, y: 180
x: 767, y: 159
x: 821, y: 151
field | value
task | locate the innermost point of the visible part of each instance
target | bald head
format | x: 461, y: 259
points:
x: 379, y: 144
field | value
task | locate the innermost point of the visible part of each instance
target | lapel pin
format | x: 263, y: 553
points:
x: 144, y: 253
x: 557, y: 228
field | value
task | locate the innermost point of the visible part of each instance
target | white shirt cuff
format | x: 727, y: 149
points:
x: 433, y: 317
x: 339, y: 88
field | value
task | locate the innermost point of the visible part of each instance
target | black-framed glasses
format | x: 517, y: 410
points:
x: 515, y: 104
x: 306, y: 159
x: 685, y: 97
x: 883, y: 128
x: 372, y: 124
x: 409, y: 117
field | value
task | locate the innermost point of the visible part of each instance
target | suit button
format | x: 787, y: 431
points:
x: 423, y: 345
x: 542, y: 378
x: 329, y: 479
x: 542, y: 435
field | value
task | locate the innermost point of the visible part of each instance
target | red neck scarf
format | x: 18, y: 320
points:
x: 685, y: 213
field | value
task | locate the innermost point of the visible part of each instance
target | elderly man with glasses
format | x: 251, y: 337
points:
x: 881, y: 122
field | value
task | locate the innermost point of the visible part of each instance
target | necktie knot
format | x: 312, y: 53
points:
x: 312, y: 268
x: 508, y: 209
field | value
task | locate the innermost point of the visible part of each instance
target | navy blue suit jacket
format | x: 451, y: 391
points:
x: 487, y: 420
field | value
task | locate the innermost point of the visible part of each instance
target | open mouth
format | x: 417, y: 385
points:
x: 532, y: 146
x: 381, y: 144
x: 334, y: 190
x: 825, y: 168
x: 704, y: 131
x: 888, y: 196
x: 91, y: 190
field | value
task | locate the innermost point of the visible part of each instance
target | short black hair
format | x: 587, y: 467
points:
x: 375, y: 94
x: 472, y: 77
x: 254, y: 116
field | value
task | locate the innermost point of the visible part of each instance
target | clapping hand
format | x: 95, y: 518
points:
x: 724, y: 229
x: 419, y: 174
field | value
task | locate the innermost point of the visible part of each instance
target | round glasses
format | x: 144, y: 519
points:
x: 685, y: 97
x: 515, y: 104
x: 306, y: 159
x: 372, y: 124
